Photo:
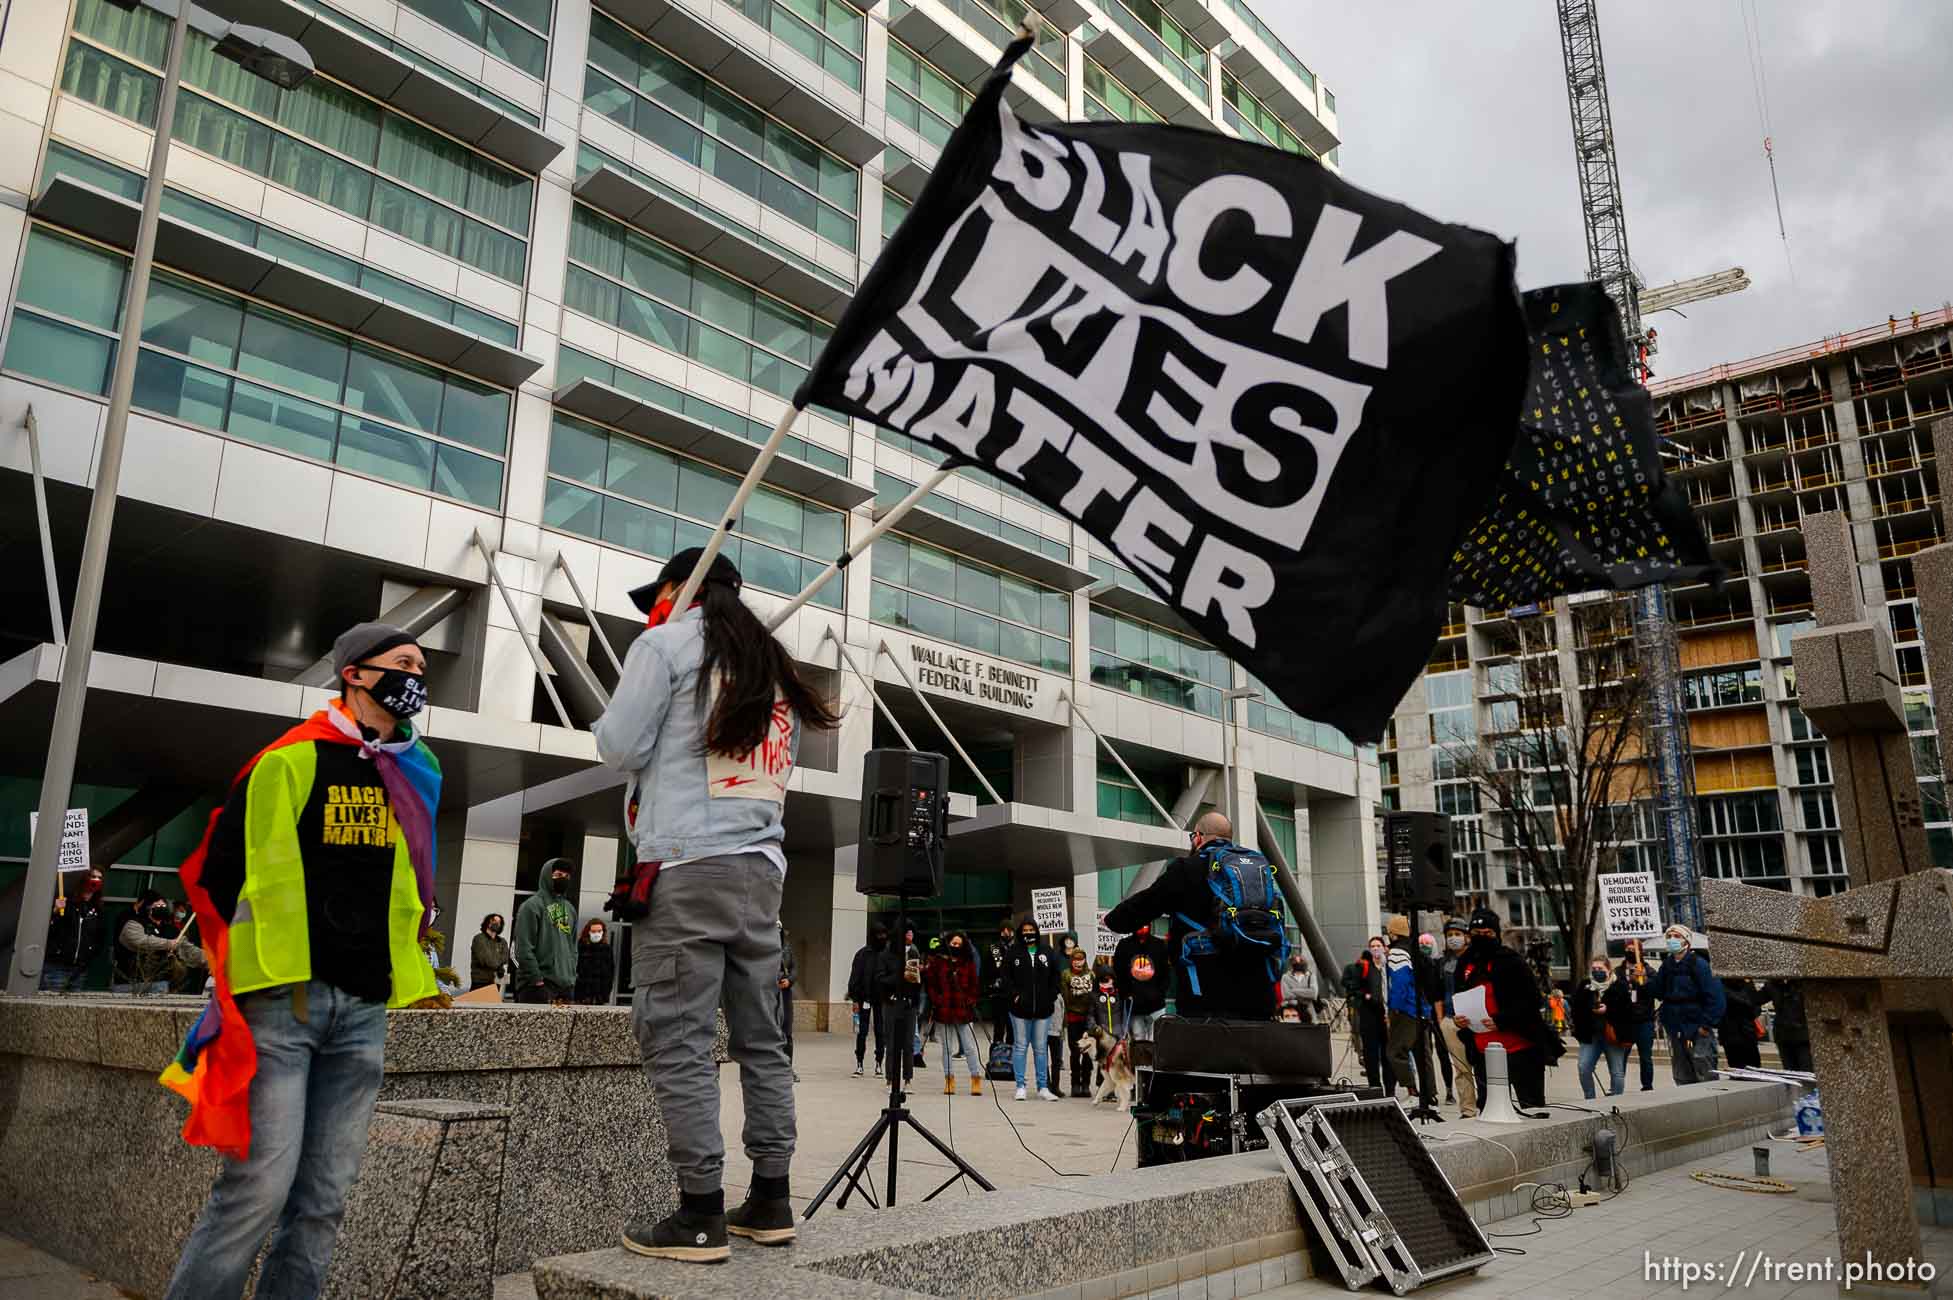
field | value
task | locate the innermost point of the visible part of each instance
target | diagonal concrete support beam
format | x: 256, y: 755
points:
x: 415, y: 615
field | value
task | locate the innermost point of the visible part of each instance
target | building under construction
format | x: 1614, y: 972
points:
x: 1843, y: 423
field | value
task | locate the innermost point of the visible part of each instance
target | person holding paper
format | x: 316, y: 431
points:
x: 1508, y: 1002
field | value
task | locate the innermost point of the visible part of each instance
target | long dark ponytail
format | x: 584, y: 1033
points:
x: 748, y: 662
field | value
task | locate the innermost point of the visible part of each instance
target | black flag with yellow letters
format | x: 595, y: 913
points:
x: 1281, y: 401
x: 1583, y: 504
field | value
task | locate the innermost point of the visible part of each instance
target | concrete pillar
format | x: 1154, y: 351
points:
x: 849, y: 928
x: 1343, y: 855
x: 488, y: 857
x: 1085, y: 906
x: 598, y: 873
x: 1865, y: 1137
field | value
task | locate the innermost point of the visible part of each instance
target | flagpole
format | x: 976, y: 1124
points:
x: 767, y: 452
x: 882, y: 525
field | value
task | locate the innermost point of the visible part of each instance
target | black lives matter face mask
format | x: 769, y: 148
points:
x: 400, y: 693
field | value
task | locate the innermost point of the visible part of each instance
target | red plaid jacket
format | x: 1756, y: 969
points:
x: 951, y: 982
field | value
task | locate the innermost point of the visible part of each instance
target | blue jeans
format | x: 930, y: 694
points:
x: 311, y: 1101
x: 1644, y: 1046
x: 1140, y: 1025
x: 959, y: 1038
x: 1590, y: 1054
x: 1027, y: 1037
x: 57, y: 978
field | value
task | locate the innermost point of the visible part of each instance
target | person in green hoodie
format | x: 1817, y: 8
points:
x: 545, y: 938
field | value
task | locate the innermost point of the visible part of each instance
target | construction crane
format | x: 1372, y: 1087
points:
x: 1605, y: 222
x: 1667, y: 297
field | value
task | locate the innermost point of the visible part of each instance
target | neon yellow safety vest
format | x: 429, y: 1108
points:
x: 270, y: 938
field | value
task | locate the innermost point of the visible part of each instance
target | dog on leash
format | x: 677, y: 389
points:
x: 1110, y: 1057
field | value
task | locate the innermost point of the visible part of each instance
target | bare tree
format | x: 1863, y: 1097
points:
x: 1561, y: 770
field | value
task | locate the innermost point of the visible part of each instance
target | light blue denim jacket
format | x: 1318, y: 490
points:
x: 690, y: 804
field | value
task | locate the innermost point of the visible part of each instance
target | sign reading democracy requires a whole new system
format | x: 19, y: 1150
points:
x: 1629, y: 905
x: 1050, y: 909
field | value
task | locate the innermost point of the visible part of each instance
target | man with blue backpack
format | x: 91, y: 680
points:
x: 1228, y: 938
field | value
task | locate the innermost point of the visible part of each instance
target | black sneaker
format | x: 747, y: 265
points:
x: 770, y: 1223
x: 693, y: 1239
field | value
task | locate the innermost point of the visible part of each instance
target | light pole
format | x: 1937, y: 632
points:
x: 277, y: 59
x: 1231, y: 746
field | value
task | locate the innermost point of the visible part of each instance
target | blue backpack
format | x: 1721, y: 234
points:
x: 1246, y: 912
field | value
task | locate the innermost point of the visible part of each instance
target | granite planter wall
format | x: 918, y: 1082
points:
x: 505, y: 1134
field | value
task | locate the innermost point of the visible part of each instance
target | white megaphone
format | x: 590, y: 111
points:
x: 1495, y: 1107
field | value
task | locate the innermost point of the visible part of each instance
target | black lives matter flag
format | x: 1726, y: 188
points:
x: 1280, y: 400
x: 1583, y: 503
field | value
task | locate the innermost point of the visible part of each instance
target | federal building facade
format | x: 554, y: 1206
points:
x: 479, y: 325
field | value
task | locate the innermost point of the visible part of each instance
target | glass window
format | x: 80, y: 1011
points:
x: 655, y: 269
x: 573, y: 509
x: 468, y: 477
x: 773, y: 518
x: 233, y: 137
x: 475, y: 415
x: 279, y: 420
x: 704, y: 493
x: 932, y: 618
x: 110, y: 83
x: 635, y: 527
x: 643, y: 472
x: 767, y: 568
x: 327, y: 114
x: 72, y: 279
x: 372, y: 448
x: 891, y: 559
x: 979, y: 588
x: 394, y: 388
x: 292, y: 354
x: 577, y: 451
x: 887, y: 604
x: 180, y: 390
x: 58, y: 353
x: 654, y: 322
x: 184, y: 318
x: 931, y: 570
x: 297, y: 165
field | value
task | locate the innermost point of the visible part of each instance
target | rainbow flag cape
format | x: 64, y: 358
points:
x: 214, y: 1068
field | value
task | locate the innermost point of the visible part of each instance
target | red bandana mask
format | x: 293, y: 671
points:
x: 661, y: 613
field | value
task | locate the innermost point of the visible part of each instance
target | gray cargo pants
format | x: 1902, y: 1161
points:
x: 713, y: 939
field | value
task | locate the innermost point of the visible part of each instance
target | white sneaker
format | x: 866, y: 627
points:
x: 1020, y: 1094
x: 1045, y: 1094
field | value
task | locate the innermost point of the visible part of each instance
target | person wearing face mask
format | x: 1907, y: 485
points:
x: 1076, y: 988
x: 996, y: 962
x: 545, y: 937
x: 861, y: 996
x: 1602, y: 1027
x: 1032, y: 979
x: 1462, y: 1066
x: 314, y: 889
x: 75, y: 934
x: 1430, y: 980
x: 145, y: 943
x: 951, y: 981
x: 1298, y: 983
x: 1691, y: 1007
x: 1408, y: 1010
x: 1372, y: 999
x: 596, y: 967
x: 488, y: 955
x: 1142, y: 970
x: 1512, y: 999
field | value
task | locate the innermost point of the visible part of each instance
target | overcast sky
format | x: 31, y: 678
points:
x: 1460, y: 110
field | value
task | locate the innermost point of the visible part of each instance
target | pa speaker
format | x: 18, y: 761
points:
x: 1418, y: 848
x: 904, y: 823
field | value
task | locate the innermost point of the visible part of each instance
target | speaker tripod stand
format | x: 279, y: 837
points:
x: 1424, y: 1112
x: 900, y: 1028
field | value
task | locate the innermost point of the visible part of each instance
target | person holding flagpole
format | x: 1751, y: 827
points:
x: 314, y: 888
x: 706, y: 720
